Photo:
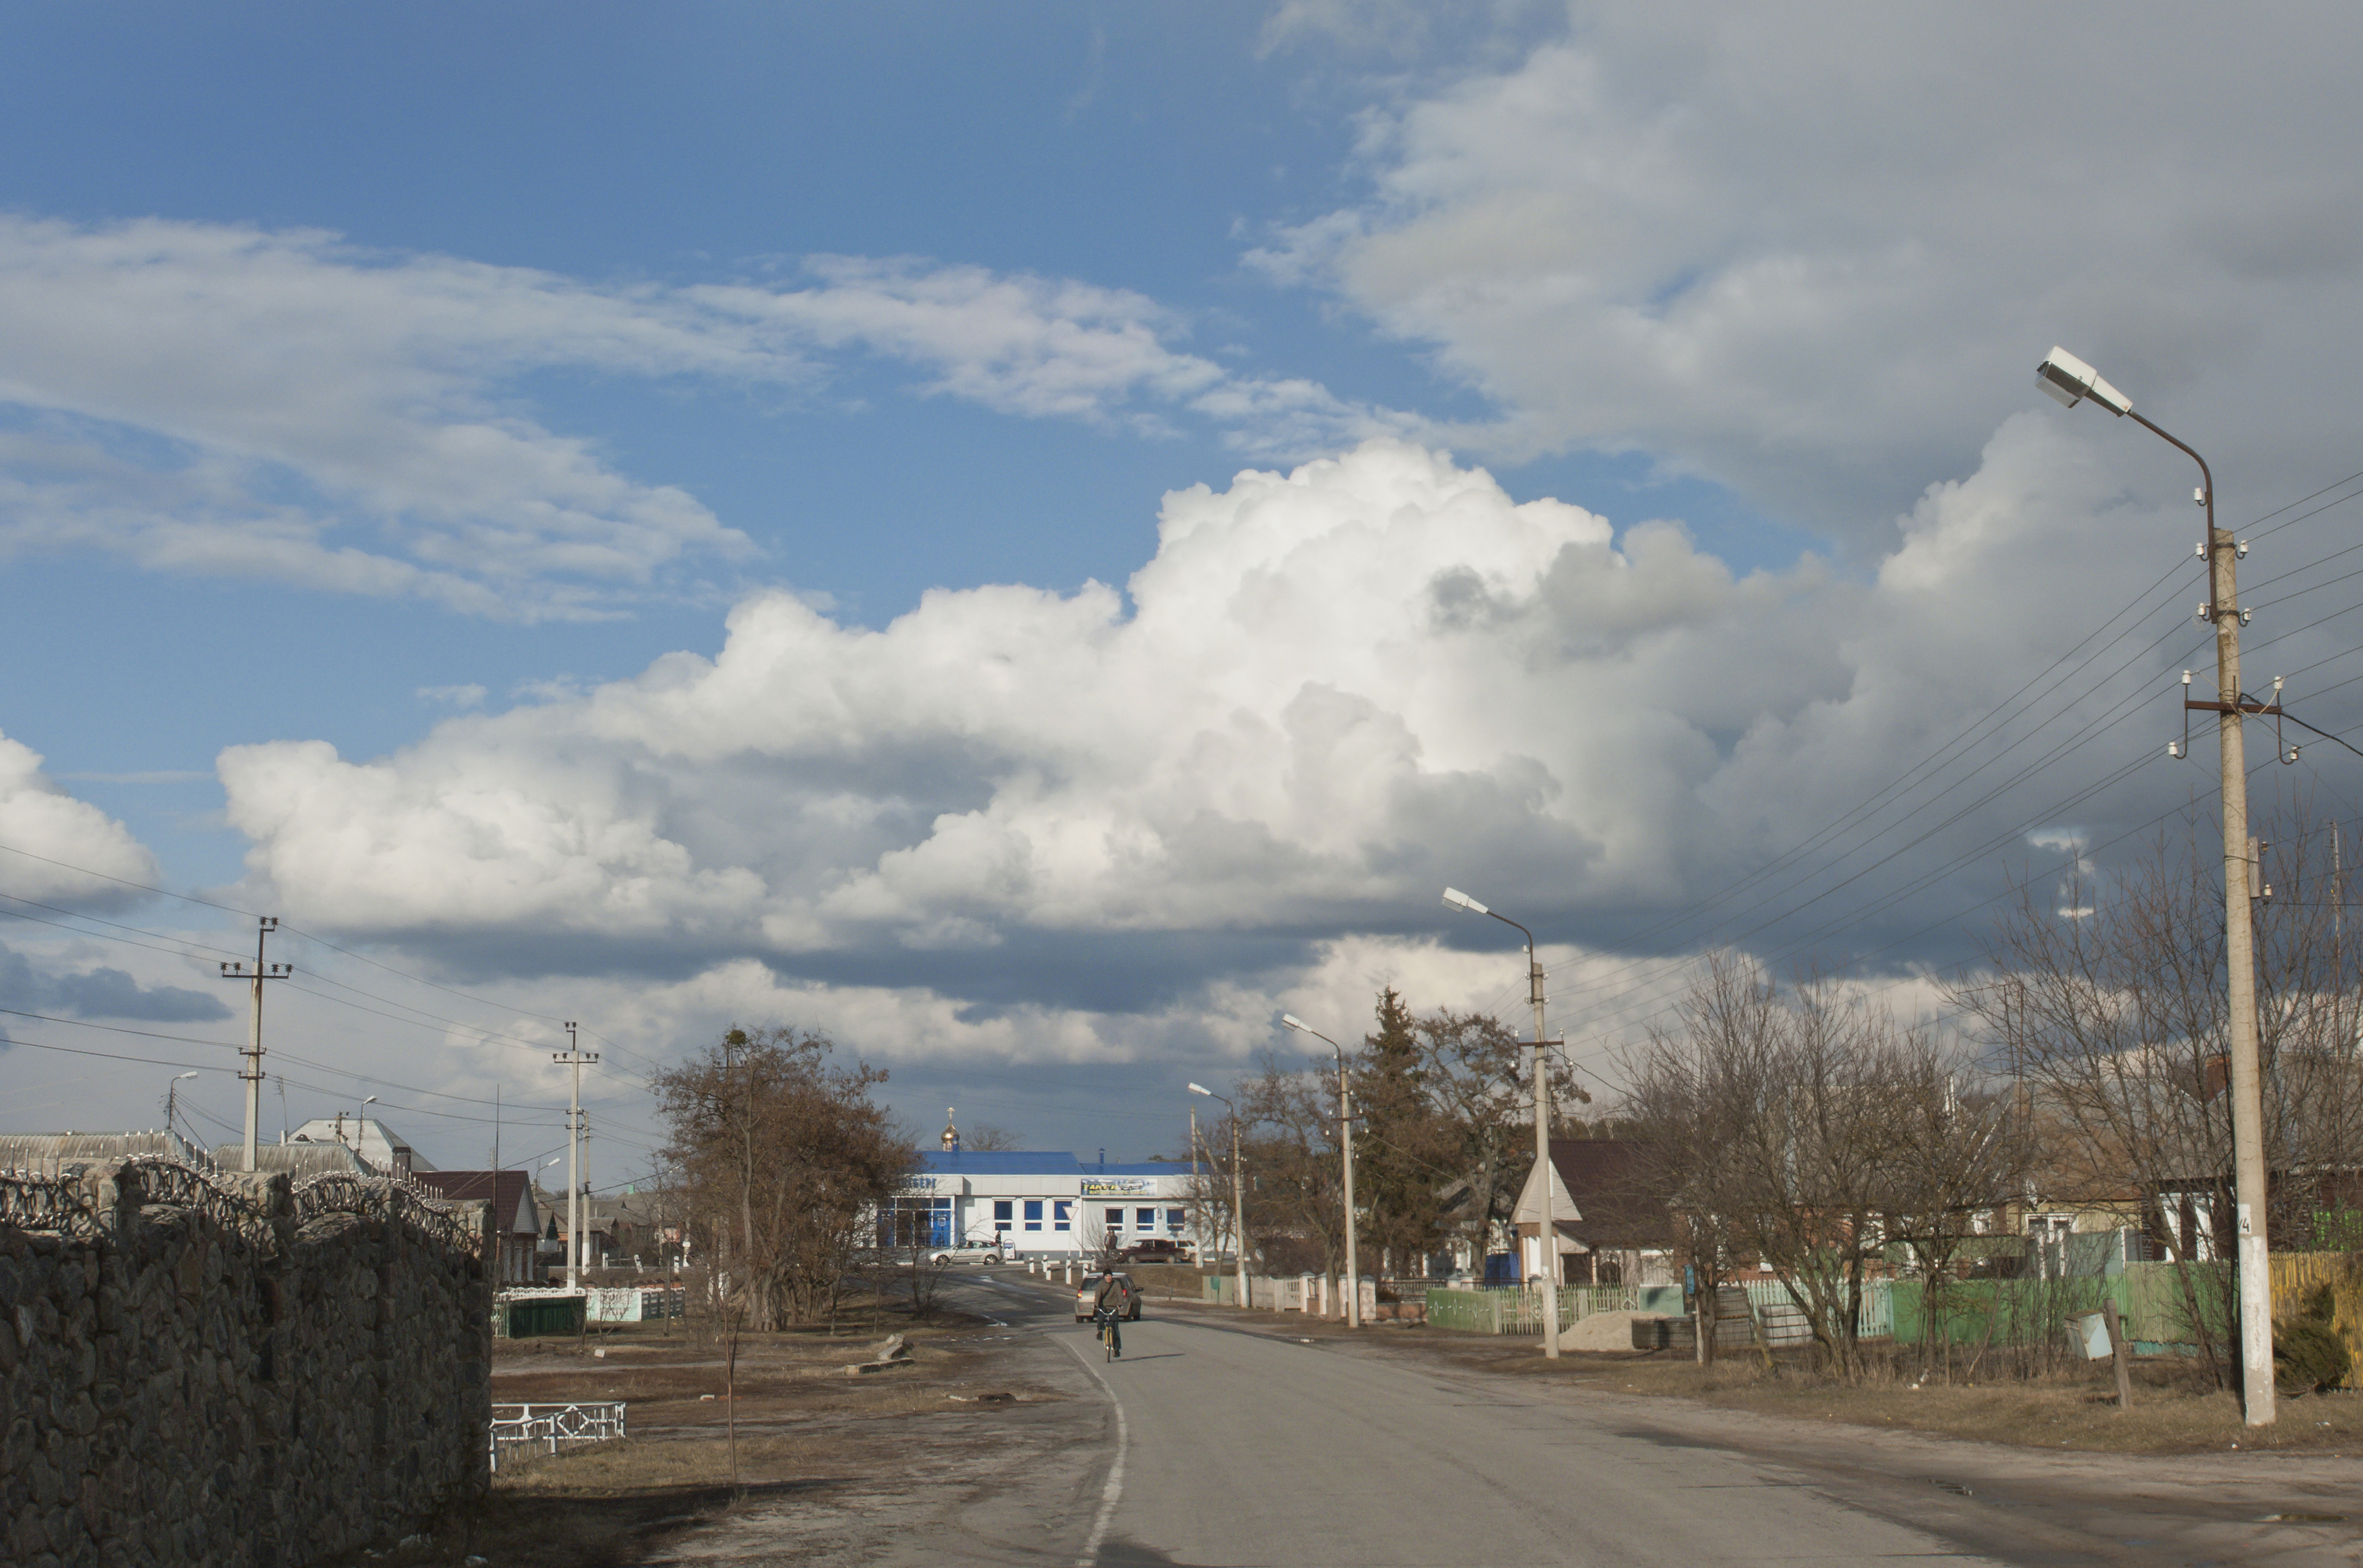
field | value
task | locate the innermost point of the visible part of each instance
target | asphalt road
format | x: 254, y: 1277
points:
x: 1212, y: 1445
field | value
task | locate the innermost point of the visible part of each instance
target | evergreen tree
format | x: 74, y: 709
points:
x: 1398, y: 1163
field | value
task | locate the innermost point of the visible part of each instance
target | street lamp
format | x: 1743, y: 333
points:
x: 1353, y: 1302
x: 172, y: 1098
x: 2071, y: 381
x: 1546, y: 1232
x: 1238, y: 1193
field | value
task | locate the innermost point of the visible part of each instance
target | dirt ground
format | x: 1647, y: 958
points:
x: 804, y: 1427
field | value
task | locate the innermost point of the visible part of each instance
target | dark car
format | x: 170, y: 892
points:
x: 1156, y: 1249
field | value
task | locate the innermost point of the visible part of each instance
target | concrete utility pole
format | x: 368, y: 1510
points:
x: 1238, y: 1194
x: 2071, y: 381
x: 575, y: 1059
x: 253, y: 1071
x: 1547, y: 1229
x: 1353, y: 1302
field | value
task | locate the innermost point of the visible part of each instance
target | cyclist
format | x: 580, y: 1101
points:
x: 1109, y: 1305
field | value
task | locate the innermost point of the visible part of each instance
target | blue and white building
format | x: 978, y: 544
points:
x: 1040, y: 1203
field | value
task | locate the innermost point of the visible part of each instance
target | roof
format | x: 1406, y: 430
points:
x: 1611, y: 1186
x: 298, y: 1159
x: 509, y: 1191
x: 46, y: 1151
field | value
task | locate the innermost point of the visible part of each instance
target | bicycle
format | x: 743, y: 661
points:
x: 1107, y: 1319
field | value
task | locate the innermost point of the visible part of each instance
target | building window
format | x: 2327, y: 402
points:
x: 1144, y: 1220
x: 1114, y: 1218
x: 1174, y: 1219
x: 1003, y: 1211
x: 1033, y: 1214
x: 1062, y: 1213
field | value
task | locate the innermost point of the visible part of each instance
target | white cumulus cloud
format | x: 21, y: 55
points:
x: 1332, y: 691
x: 60, y: 849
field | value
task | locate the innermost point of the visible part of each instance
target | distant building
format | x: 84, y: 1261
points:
x: 374, y: 1141
x: 300, y: 1162
x: 517, y: 1218
x: 44, y: 1154
x: 1037, y: 1203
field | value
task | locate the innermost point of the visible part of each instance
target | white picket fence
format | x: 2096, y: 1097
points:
x: 526, y: 1428
x: 1786, y: 1323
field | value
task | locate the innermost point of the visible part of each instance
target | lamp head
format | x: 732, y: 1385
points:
x: 2070, y: 380
x: 1201, y: 1089
x: 371, y: 1101
x: 1291, y: 1020
x: 184, y: 1077
x: 1455, y: 898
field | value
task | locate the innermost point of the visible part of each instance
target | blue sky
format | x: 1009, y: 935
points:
x: 596, y: 425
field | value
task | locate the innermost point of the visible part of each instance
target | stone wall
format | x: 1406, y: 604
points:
x: 205, y: 1369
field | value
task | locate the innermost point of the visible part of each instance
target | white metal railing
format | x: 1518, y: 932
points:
x: 548, y: 1428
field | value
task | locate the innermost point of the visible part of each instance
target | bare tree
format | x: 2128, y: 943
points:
x: 1291, y: 1118
x: 2107, y: 1000
x: 784, y: 1160
x: 987, y: 1138
x: 1808, y: 1128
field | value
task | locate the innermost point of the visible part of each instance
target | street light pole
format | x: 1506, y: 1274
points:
x: 1547, y: 1232
x: 1353, y: 1302
x: 172, y: 1098
x: 2071, y: 381
x: 1238, y: 1193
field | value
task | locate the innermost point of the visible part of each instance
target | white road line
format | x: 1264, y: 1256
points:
x: 1114, y: 1489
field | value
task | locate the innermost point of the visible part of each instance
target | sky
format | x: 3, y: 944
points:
x: 1035, y: 539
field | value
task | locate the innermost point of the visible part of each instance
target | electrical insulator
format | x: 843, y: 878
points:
x: 2174, y: 747
x: 2241, y: 549
x: 2203, y: 608
x: 2291, y: 757
x: 2245, y: 614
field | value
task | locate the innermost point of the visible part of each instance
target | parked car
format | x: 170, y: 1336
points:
x: 1156, y: 1249
x: 1090, y: 1289
x: 974, y: 1250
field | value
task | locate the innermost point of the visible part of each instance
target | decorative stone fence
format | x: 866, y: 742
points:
x: 207, y: 1368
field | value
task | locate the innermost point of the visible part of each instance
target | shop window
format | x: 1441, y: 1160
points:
x: 1033, y: 1214
x: 1174, y: 1219
x: 1062, y: 1213
x: 1144, y: 1219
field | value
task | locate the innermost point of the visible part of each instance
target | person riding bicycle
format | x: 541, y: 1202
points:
x: 1109, y: 1305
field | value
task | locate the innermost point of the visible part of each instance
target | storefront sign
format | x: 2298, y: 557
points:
x: 1118, y: 1186
x: 916, y: 1184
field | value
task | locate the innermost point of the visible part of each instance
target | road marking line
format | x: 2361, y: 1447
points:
x: 1114, y: 1489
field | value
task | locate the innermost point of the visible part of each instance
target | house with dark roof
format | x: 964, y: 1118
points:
x: 516, y: 1218
x: 1611, y: 1227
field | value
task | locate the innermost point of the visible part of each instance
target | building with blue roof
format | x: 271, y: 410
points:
x: 1038, y: 1203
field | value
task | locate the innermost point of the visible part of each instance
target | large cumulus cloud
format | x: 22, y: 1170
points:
x: 1330, y: 691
